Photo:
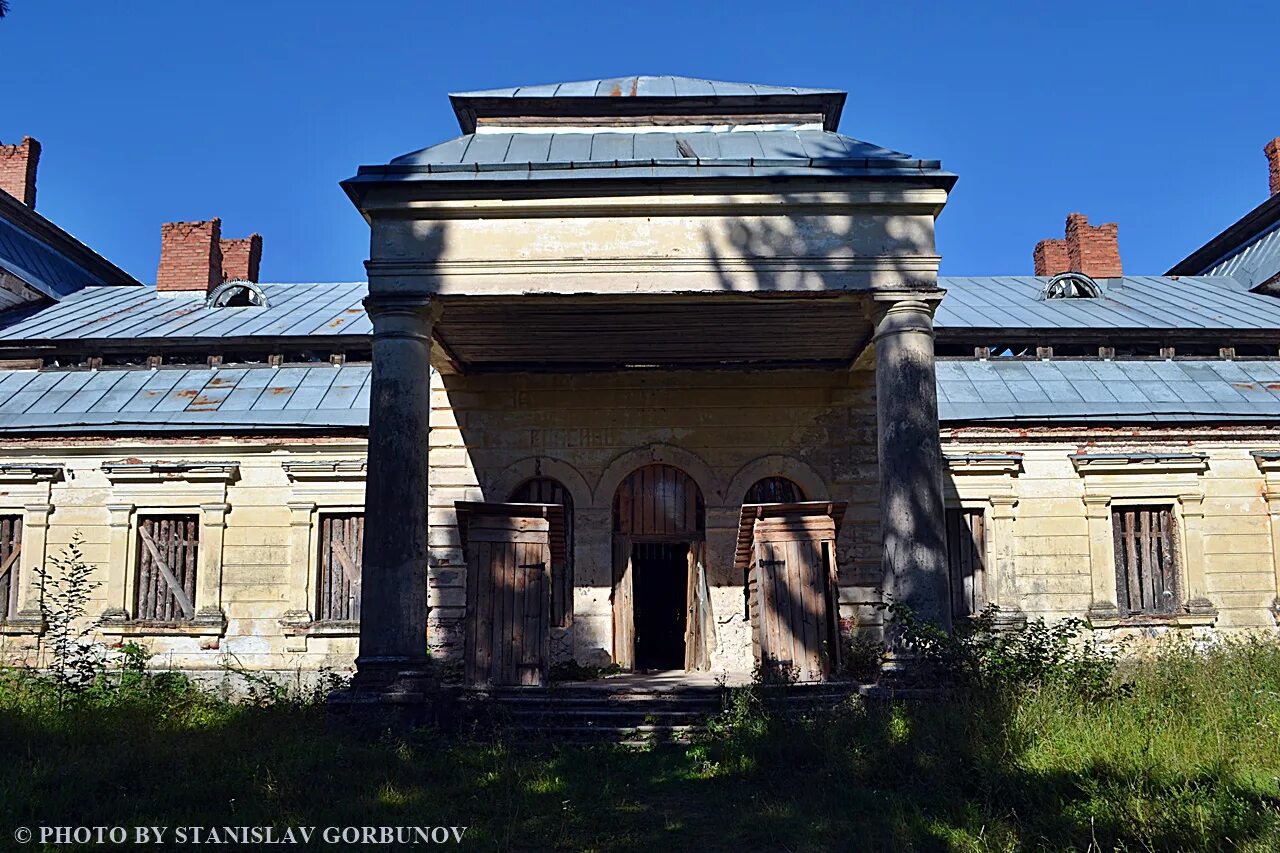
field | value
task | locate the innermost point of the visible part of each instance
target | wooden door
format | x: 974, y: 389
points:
x: 624, y: 616
x: 508, y: 629
x: 700, y: 631
x: 791, y: 588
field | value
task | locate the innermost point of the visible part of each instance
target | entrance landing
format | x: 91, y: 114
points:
x: 665, y: 681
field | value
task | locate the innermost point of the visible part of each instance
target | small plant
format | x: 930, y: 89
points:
x: 978, y: 655
x: 75, y: 661
x: 862, y: 657
x: 775, y: 673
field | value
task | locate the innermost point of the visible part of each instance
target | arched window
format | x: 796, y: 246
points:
x: 236, y: 294
x: 774, y: 490
x: 658, y: 500
x: 545, y: 490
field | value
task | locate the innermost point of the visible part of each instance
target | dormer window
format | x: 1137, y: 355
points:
x: 1071, y: 285
x: 236, y: 294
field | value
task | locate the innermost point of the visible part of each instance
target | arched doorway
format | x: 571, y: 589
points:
x: 546, y: 490
x: 774, y: 490
x: 661, y: 607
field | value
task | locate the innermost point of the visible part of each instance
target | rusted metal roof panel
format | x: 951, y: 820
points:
x: 1132, y: 302
x: 184, y: 400
x: 997, y: 390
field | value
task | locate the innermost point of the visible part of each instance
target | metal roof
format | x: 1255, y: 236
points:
x: 1110, y: 391
x: 136, y: 313
x: 335, y: 309
x: 1256, y: 263
x: 48, y: 258
x: 642, y: 85
x: 614, y: 154
x: 178, y: 399
x: 1132, y: 302
x: 644, y: 98
x: 1249, y: 248
x: 266, y: 399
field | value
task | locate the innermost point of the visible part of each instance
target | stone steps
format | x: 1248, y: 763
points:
x: 628, y: 714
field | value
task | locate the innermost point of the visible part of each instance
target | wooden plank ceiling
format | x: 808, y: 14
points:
x: 575, y: 333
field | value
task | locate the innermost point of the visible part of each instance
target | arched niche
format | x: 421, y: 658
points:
x: 777, y: 465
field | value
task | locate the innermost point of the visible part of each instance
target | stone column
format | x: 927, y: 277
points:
x: 213, y: 528
x: 35, y: 535
x: 912, y: 522
x: 393, y: 606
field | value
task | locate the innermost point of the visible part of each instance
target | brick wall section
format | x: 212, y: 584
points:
x: 1272, y: 150
x: 190, y: 256
x: 241, y: 257
x: 1091, y: 249
x: 18, y: 170
x: 1051, y: 257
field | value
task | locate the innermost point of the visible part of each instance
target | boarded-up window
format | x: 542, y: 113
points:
x: 774, y: 490
x: 167, y: 552
x: 545, y: 490
x: 341, y: 546
x: 658, y: 500
x: 1146, y: 543
x: 966, y: 560
x: 10, y: 556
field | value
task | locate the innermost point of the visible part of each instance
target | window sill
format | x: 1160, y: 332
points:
x: 1151, y: 620
x: 336, y: 628
x: 135, y: 628
x: 21, y: 626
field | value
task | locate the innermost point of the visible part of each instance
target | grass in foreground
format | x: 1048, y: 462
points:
x: 1181, y: 752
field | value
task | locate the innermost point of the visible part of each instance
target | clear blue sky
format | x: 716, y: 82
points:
x: 1153, y: 115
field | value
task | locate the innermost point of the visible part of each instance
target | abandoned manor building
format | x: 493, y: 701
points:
x: 648, y: 372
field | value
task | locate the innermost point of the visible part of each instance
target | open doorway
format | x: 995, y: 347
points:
x: 660, y: 578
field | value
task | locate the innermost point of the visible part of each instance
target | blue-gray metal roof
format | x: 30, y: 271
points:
x: 641, y: 86
x: 1132, y: 302
x: 177, y: 399
x: 39, y: 264
x: 612, y: 154
x: 1255, y: 263
x: 265, y: 399
x: 134, y: 313
x: 1067, y: 390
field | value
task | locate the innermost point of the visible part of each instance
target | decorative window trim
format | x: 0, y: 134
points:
x: 987, y: 481
x: 29, y: 493
x: 141, y: 488
x: 1117, y: 479
x: 1268, y: 462
x: 320, y: 486
x: 120, y: 473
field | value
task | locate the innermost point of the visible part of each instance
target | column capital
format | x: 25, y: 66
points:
x: 898, y: 311
x: 397, y: 315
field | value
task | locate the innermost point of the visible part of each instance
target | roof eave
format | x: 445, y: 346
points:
x: 468, y: 108
x: 77, y: 252
x: 1253, y: 223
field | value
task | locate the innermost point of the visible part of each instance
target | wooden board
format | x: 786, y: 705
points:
x: 341, y: 550
x: 10, y: 564
x: 545, y: 490
x: 659, y: 500
x: 791, y: 592
x: 624, y: 625
x: 966, y: 560
x: 508, y: 623
x: 168, y: 548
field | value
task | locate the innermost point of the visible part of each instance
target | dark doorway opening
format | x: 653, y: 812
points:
x: 661, y: 579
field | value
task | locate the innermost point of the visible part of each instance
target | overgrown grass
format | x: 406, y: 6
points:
x: 1180, y: 752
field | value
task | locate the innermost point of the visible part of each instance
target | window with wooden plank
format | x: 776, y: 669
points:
x: 545, y: 490
x: 774, y: 490
x: 168, y: 547
x: 966, y: 559
x: 341, y: 546
x: 1146, y: 543
x: 10, y: 556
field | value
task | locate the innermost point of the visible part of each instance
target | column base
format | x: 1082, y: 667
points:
x: 391, y: 693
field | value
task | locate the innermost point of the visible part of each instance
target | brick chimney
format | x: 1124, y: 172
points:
x: 190, y: 256
x: 1272, y: 150
x: 18, y: 170
x: 1090, y: 249
x: 240, y: 258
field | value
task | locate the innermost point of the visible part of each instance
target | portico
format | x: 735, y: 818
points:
x: 587, y: 287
